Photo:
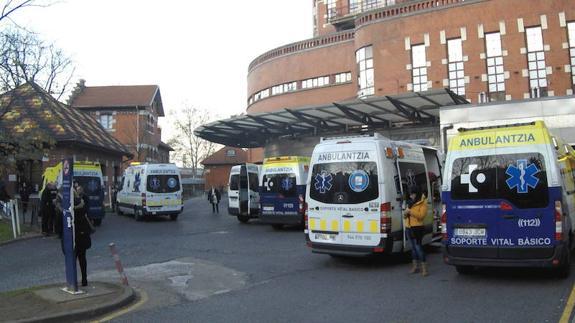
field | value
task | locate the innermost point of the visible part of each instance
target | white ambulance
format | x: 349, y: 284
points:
x: 150, y: 190
x: 243, y: 192
x: 356, y: 188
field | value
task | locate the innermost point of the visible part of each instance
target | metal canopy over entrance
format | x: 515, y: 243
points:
x: 374, y: 113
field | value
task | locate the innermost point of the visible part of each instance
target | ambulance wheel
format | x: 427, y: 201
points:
x: 138, y: 215
x: 97, y: 222
x: 277, y: 226
x: 118, y: 212
x: 243, y: 218
x: 173, y: 217
x: 564, y: 268
x: 464, y: 270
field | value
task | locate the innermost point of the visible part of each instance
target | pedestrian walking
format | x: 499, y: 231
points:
x: 114, y: 195
x: 82, y: 231
x: 414, y: 215
x: 24, y: 190
x: 48, y: 208
x: 214, y: 197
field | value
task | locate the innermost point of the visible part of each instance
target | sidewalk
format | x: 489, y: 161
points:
x: 51, y: 304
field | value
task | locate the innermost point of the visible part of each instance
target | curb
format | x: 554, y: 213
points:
x: 127, y: 297
x: 28, y: 237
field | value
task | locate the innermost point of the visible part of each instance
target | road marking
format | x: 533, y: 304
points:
x: 143, y: 299
x: 568, y: 307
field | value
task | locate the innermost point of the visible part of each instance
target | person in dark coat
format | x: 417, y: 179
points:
x: 48, y: 208
x: 82, y: 231
x: 214, y: 197
x: 24, y: 191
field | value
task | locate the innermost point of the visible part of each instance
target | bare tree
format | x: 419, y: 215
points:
x: 24, y: 57
x: 10, y: 6
x: 189, y: 148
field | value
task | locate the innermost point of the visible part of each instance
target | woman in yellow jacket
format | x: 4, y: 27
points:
x: 413, y: 217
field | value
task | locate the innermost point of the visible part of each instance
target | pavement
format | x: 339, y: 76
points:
x: 50, y: 303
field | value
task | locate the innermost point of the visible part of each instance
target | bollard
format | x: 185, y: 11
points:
x: 119, y: 267
x: 10, y: 209
x: 17, y: 216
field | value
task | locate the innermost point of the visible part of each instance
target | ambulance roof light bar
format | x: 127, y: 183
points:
x: 499, y: 126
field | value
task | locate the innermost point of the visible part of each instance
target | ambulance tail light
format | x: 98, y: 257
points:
x: 558, y: 221
x: 306, y: 225
x: 444, y: 222
x: 143, y: 199
x: 385, y: 219
x: 389, y: 152
x: 301, y: 204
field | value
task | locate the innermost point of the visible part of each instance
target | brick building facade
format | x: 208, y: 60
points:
x: 217, y: 166
x: 484, y: 50
x: 130, y: 114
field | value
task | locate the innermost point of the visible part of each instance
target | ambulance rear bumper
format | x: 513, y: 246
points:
x: 504, y: 257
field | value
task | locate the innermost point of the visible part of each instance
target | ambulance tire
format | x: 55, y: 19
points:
x: 243, y: 218
x: 277, y: 226
x: 97, y: 222
x: 173, y: 217
x: 564, y: 269
x: 138, y: 215
x: 464, y: 270
x: 118, y: 211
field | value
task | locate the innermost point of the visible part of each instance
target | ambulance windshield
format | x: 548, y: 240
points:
x: 163, y: 183
x: 344, y: 182
x: 90, y: 184
x: 284, y: 184
x: 518, y: 178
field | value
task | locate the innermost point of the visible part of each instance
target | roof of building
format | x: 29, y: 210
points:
x: 30, y: 108
x: 222, y: 157
x: 375, y: 113
x: 165, y: 146
x: 117, y: 96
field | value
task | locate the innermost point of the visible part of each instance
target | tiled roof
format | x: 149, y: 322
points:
x: 31, y: 108
x: 221, y: 157
x: 165, y: 146
x: 116, y: 96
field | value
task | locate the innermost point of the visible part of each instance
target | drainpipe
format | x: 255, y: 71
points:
x: 138, y: 133
x: 444, y: 133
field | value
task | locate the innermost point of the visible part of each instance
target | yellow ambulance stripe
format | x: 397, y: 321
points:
x: 312, y: 223
x: 334, y: 225
x: 373, y: 226
x: 359, y: 226
x: 323, y: 225
x: 346, y: 226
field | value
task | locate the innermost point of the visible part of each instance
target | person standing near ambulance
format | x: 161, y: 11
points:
x: 414, y: 229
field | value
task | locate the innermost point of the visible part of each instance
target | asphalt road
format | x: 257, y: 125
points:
x: 208, y: 267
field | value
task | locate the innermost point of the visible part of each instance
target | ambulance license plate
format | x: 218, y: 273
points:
x: 325, y: 236
x: 469, y: 232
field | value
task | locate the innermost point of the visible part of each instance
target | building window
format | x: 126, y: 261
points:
x: 283, y: 88
x: 107, y: 121
x: 365, y: 81
x: 495, y: 73
x: 370, y: 4
x: 354, y: 6
x: 419, y: 68
x: 343, y: 77
x: 331, y: 9
x: 571, y: 30
x: 315, y: 82
x: 455, y: 66
x: 151, y: 123
x: 230, y: 153
x: 536, y: 62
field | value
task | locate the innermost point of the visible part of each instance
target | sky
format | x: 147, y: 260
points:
x: 198, y: 52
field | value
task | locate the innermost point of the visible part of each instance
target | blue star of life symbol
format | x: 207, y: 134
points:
x: 286, y: 184
x: 522, y: 176
x: 323, y: 182
x: 155, y: 183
